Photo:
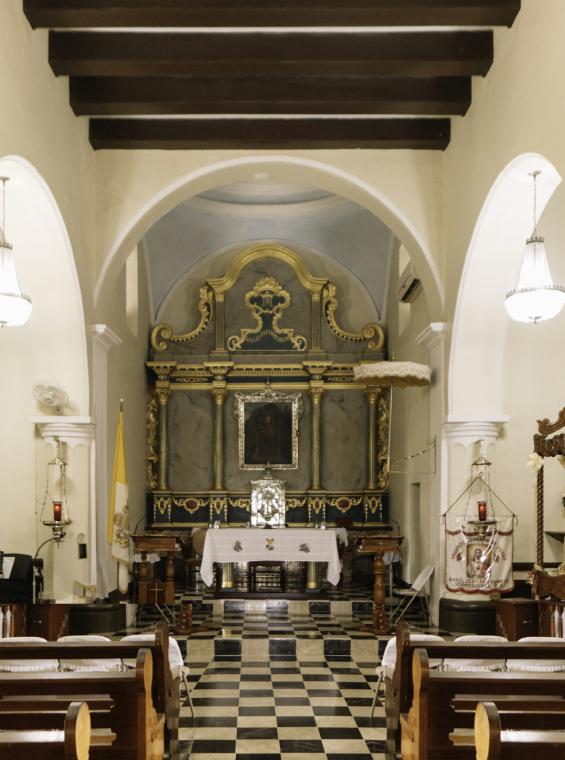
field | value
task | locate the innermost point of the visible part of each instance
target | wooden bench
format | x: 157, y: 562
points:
x: 165, y: 689
x: 494, y: 743
x: 399, y: 691
x: 431, y: 721
x: 139, y: 729
x: 71, y: 743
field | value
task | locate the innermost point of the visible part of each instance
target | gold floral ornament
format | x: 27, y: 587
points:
x: 270, y: 544
x: 267, y: 302
x: 163, y: 334
x: 535, y: 462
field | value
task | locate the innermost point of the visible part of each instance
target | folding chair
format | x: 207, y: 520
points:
x: 416, y: 591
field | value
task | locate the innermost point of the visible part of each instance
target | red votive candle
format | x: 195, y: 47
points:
x: 482, y: 507
x: 57, y: 511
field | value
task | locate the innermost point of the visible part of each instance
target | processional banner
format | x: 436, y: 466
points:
x: 478, y: 555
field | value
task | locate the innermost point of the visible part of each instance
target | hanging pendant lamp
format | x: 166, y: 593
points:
x: 535, y: 297
x: 15, y: 307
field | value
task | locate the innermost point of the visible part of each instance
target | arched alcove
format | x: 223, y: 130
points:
x: 50, y: 348
x: 299, y: 170
x: 492, y: 264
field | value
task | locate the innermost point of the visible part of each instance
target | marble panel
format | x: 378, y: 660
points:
x: 344, y: 431
x: 191, y: 441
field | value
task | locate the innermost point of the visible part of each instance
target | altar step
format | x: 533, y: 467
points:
x: 281, y: 648
x: 220, y: 608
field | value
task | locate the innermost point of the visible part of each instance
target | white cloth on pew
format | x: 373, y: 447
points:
x: 89, y: 665
x: 537, y: 666
x: 460, y: 665
x: 27, y: 666
x: 176, y: 660
x: 389, y: 655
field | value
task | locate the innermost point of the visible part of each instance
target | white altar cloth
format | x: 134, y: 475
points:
x: 276, y: 545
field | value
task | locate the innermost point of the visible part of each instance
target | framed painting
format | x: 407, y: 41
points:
x: 268, y: 429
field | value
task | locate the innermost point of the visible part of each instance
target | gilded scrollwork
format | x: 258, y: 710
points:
x: 371, y: 332
x: 163, y: 334
x: 190, y: 503
x: 294, y: 502
x: 267, y: 302
x: 373, y: 505
x: 162, y: 505
x: 383, y: 453
x: 344, y: 503
x: 152, y: 452
x: 241, y: 504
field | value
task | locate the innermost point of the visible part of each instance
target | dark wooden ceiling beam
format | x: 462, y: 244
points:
x: 268, y: 13
x: 248, y: 54
x: 203, y: 134
x: 107, y: 96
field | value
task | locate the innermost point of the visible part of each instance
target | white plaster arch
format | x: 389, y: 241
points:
x: 304, y: 171
x: 55, y: 334
x: 492, y: 264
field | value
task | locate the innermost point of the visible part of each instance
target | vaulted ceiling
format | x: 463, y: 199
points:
x: 192, y: 74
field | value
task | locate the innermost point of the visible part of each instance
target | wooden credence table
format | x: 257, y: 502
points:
x: 379, y: 544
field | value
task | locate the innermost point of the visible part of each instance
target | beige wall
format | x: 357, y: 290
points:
x: 432, y: 202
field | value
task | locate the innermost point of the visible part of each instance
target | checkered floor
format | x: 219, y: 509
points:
x: 276, y: 679
x: 282, y: 709
x: 314, y: 621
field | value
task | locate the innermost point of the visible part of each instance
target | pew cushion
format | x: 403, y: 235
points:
x: 474, y: 666
x: 536, y: 666
x: 27, y: 666
x: 89, y: 665
x: 389, y: 655
x: 176, y: 660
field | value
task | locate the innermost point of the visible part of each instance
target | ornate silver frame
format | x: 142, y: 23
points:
x: 268, y: 396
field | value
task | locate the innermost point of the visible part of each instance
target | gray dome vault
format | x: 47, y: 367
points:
x: 330, y: 232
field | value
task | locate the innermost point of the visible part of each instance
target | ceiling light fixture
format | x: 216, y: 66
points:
x: 535, y: 297
x: 15, y: 307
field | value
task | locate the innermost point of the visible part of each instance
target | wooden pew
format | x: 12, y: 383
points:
x: 492, y: 743
x: 165, y: 689
x: 72, y: 743
x: 138, y: 727
x: 399, y: 692
x: 427, y: 726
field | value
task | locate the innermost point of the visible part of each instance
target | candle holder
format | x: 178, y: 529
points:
x: 56, y: 495
x: 58, y: 527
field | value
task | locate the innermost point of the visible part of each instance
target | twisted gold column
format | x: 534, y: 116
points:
x: 372, y: 397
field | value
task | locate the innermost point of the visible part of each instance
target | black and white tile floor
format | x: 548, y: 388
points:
x: 275, y: 679
x: 282, y: 709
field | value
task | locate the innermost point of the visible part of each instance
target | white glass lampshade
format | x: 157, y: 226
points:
x: 535, y: 297
x: 15, y: 307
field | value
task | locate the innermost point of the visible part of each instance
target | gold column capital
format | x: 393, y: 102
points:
x: 372, y: 393
x: 219, y: 392
x: 163, y: 394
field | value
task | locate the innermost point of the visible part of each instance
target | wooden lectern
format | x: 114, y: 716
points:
x: 378, y: 544
x: 151, y: 590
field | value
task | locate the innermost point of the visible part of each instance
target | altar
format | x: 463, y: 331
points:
x: 311, y: 545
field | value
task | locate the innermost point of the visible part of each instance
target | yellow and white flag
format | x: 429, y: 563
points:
x: 118, y: 513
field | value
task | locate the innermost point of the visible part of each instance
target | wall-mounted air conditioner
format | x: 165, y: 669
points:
x: 409, y: 286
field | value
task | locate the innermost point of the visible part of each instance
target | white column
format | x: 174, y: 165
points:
x: 69, y: 578
x: 103, y: 339
x: 433, y: 338
x: 461, y: 441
